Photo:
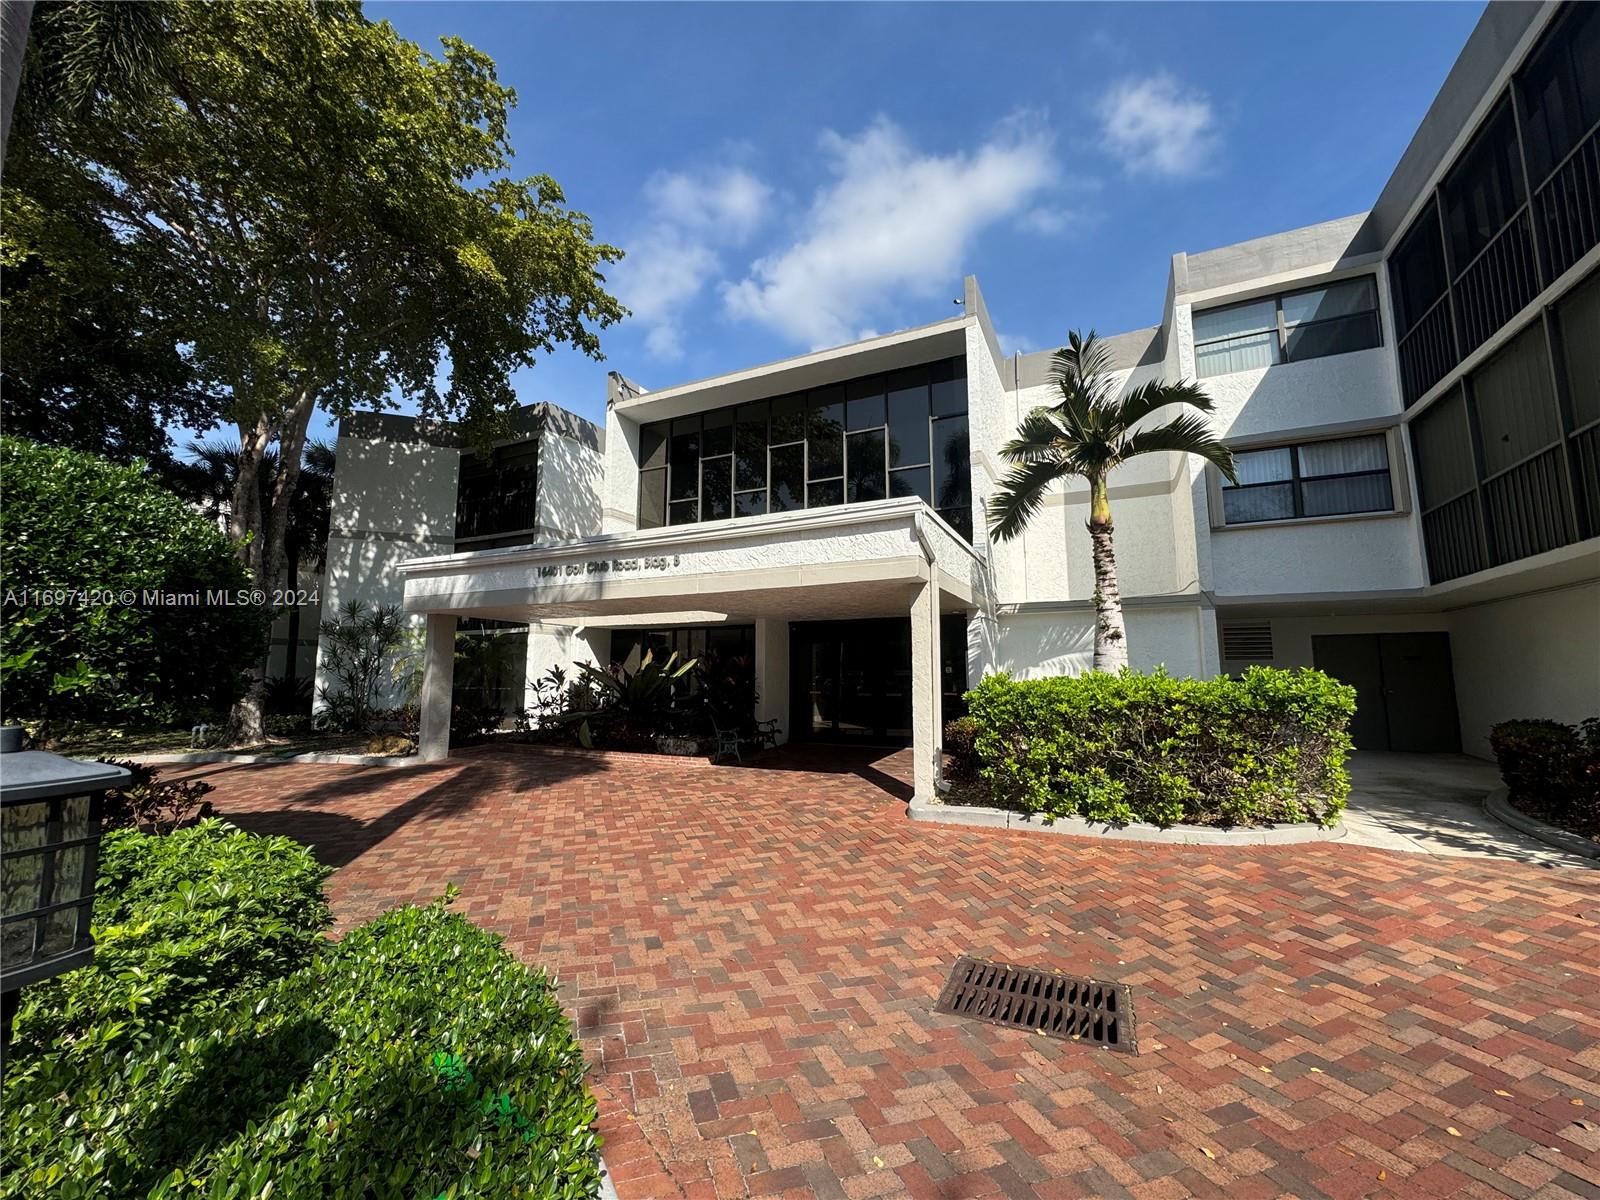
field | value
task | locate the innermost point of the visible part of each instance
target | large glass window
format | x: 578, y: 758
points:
x: 1315, y: 479
x: 899, y: 434
x: 1561, y: 90
x: 498, y: 492
x: 1312, y: 323
x: 1484, y: 190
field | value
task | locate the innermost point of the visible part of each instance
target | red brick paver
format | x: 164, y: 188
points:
x: 752, y: 956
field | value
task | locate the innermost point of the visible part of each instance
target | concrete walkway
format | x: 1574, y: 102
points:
x: 1433, y: 804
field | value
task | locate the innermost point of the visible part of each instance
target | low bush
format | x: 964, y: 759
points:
x: 219, y: 1046
x: 181, y: 923
x: 1265, y: 747
x: 415, y: 1058
x: 152, y: 804
x: 961, y: 745
x: 1552, y: 770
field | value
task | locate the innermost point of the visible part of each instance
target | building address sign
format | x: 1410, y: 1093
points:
x: 610, y: 566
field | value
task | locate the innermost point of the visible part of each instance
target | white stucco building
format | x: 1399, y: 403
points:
x: 1413, y: 394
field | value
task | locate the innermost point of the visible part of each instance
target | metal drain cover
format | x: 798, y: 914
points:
x: 1069, y: 1007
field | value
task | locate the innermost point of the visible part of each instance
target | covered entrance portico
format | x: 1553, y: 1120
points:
x: 891, y: 559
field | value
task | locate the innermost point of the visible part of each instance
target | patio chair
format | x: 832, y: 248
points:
x: 767, y: 733
x: 727, y: 741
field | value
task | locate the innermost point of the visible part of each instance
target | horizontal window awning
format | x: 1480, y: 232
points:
x: 865, y: 560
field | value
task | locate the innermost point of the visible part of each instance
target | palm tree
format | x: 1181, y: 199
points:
x: 1091, y: 430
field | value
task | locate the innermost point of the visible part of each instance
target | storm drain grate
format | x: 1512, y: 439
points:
x: 1059, y: 1006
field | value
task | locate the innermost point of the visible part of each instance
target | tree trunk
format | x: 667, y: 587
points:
x: 265, y: 528
x: 1110, y: 634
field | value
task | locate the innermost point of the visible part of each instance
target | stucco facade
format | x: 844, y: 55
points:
x: 666, y: 519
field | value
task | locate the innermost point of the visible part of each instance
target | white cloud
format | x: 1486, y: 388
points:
x: 892, y: 222
x: 1155, y: 126
x: 675, y: 254
x: 1015, y: 343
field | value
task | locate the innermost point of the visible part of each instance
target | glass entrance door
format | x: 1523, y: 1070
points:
x: 851, y: 680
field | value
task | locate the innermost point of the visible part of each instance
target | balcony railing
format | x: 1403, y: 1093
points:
x: 1586, y: 471
x: 1527, y: 508
x: 1427, y: 351
x: 1568, y: 206
x: 1498, y: 283
x: 1452, y: 535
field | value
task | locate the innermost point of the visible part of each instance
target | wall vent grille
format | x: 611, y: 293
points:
x: 1247, y: 641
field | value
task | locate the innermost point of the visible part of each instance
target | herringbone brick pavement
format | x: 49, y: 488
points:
x: 752, y: 956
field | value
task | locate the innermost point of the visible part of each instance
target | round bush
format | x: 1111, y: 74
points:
x: 114, y: 544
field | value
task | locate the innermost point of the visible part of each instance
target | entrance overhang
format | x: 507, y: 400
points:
x: 864, y: 560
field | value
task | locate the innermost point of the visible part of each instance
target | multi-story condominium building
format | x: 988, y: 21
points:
x: 1413, y: 395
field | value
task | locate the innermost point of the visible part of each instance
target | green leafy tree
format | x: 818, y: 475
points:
x: 69, y: 520
x: 1091, y: 430
x: 320, y: 213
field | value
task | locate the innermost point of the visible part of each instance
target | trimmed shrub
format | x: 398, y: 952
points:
x: 181, y: 923
x: 415, y: 1058
x: 220, y: 1047
x: 74, y: 521
x: 960, y: 743
x: 1552, y: 770
x: 1265, y: 747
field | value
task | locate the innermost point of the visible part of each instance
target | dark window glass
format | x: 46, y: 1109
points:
x: 949, y: 382
x: 717, y: 437
x: 1515, y: 404
x: 788, y: 488
x: 959, y: 519
x: 1561, y: 89
x: 1317, y: 479
x: 952, y: 466
x: 750, y: 447
x: 653, y: 445
x: 825, y: 493
x: 825, y: 436
x: 685, y: 458
x: 908, y: 428
x: 683, y: 512
x: 865, y: 461
x: 907, y: 390
x: 749, y: 504
x: 1337, y: 336
x: 716, y: 488
x: 1416, y: 271
x: 652, y: 498
x: 1579, y: 318
x: 864, y: 403
x: 911, y: 481
x: 1483, y: 191
x: 1442, y: 449
x: 788, y: 419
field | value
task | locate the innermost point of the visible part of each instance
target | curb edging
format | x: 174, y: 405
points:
x: 1138, y: 831
x: 272, y: 760
x: 1498, y: 805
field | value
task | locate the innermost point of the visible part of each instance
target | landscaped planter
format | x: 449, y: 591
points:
x: 680, y: 747
x: 1136, y: 831
x: 1498, y: 805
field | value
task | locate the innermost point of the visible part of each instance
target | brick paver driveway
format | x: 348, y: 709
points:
x: 752, y: 956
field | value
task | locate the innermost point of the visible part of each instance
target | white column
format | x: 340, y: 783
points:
x: 772, y: 674
x: 927, y: 728
x: 438, y: 679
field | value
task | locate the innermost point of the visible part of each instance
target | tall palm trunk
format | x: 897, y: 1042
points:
x: 1110, y: 635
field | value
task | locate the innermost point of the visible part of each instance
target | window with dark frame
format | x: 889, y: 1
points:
x: 1336, y: 318
x: 1337, y: 477
x: 903, y: 433
x: 497, y: 493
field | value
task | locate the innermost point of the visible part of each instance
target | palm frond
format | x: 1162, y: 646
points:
x: 1185, y: 434
x: 1019, y: 496
x: 1158, y: 394
x: 1037, y: 438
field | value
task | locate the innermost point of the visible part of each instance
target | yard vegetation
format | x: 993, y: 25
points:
x: 1266, y: 747
x: 220, y: 1046
x: 1552, y: 771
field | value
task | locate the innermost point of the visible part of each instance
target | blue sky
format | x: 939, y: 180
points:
x: 787, y: 176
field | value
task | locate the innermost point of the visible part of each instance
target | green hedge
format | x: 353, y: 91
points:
x: 1552, y: 770
x: 1266, y: 747
x: 71, y: 520
x: 414, y: 1058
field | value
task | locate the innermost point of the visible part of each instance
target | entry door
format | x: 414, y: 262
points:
x: 1405, y: 689
x: 851, y: 680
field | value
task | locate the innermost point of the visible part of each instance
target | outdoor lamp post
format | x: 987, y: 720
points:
x: 50, y: 810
